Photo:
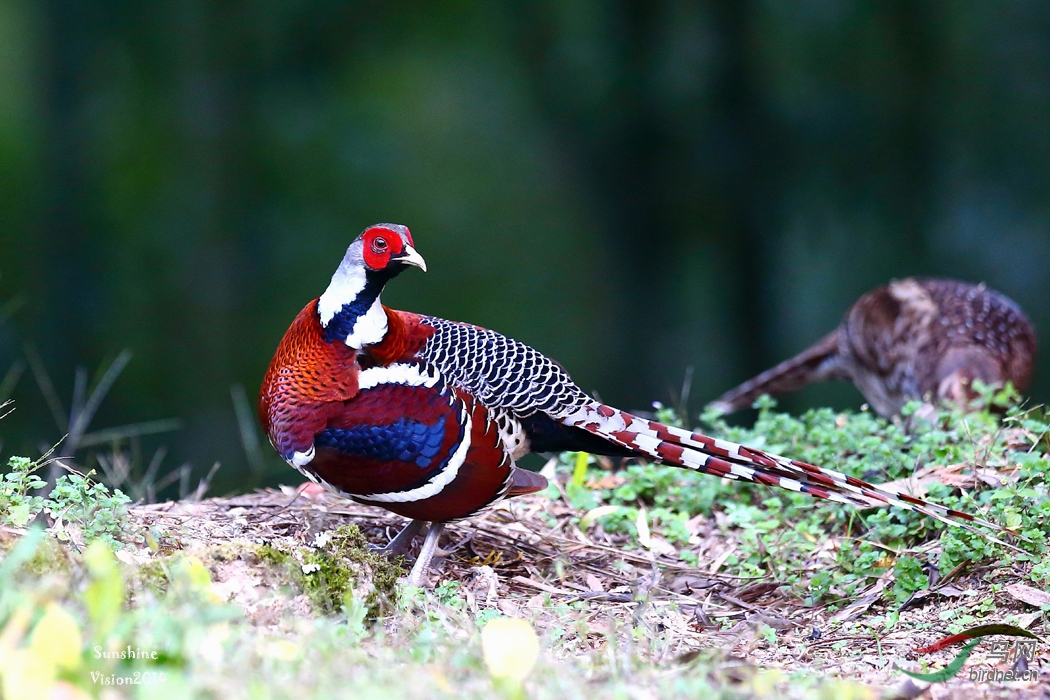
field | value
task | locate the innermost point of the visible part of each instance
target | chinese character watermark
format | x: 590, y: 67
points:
x: 1019, y: 653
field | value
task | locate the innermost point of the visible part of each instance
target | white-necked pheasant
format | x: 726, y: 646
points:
x: 426, y: 417
x: 916, y: 338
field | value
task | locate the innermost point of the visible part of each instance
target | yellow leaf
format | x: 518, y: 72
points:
x: 846, y: 690
x: 579, y: 472
x: 193, y: 575
x: 100, y: 560
x: 12, y: 633
x: 279, y: 649
x: 593, y: 514
x: 57, y: 636
x: 196, y: 573
x: 764, y: 682
x: 27, y: 675
x: 510, y: 647
x: 104, y: 597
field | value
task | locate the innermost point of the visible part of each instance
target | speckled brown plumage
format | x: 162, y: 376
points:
x: 917, y: 338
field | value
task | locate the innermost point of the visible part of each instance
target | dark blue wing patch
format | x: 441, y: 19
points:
x: 406, y: 441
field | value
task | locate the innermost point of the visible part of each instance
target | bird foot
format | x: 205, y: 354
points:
x: 402, y: 540
x: 426, y: 553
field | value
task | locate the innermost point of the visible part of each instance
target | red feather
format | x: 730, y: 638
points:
x: 306, y: 379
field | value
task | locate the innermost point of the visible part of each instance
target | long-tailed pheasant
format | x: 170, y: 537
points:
x: 426, y: 417
x: 916, y: 338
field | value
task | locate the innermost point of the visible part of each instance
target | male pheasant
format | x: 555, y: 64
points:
x: 916, y: 338
x: 426, y: 417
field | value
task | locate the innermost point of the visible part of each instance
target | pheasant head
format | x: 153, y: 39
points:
x: 350, y: 310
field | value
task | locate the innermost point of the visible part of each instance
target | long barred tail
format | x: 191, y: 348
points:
x: 677, y: 447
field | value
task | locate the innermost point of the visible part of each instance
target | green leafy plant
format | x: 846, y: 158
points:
x: 75, y: 502
x: 18, y: 503
x: 99, y: 513
x: 909, y: 578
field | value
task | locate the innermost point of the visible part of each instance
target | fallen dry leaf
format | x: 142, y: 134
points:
x: 857, y: 607
x: 642, y: 523
x: 594, y: 583
x: 1025, y: 621
x: 593, y: 514
x: 1027, y: 594
x: 610, y: 481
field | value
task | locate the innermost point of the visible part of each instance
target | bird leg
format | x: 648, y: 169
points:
x: 401, y: 541
x: 426, y: 553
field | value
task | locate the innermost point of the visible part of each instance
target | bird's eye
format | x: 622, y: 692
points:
x: 379, y: 245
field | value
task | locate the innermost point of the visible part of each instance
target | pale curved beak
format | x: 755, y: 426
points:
x: 411, y: 257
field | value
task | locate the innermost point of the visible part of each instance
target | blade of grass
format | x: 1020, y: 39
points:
x: 205, y: 484
x: 115, y: 468
x: 123, y: 432
x: 47, y: 387
x: 181, y: 474
x: 82, y: 420
x: 246, y: 427
x: 146, y: 485
x: 579, y: 472
x: 682, y: 404
x: 184, y: 481
x: 11, y: 377
x: 76, y: 405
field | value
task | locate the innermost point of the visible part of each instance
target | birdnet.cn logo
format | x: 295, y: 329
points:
x: 1008, y: 659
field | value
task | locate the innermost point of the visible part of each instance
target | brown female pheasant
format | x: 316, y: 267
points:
x: 917, y: 338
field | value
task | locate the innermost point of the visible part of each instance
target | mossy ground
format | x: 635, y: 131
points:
x: 344, y: 567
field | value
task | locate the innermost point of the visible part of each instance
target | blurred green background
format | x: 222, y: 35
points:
x: 633, y: 187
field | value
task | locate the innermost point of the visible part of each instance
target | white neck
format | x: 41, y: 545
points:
x: 370, y: 328
x: 347, y: 283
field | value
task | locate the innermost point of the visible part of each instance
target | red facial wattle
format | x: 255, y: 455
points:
x: 380, y: 244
